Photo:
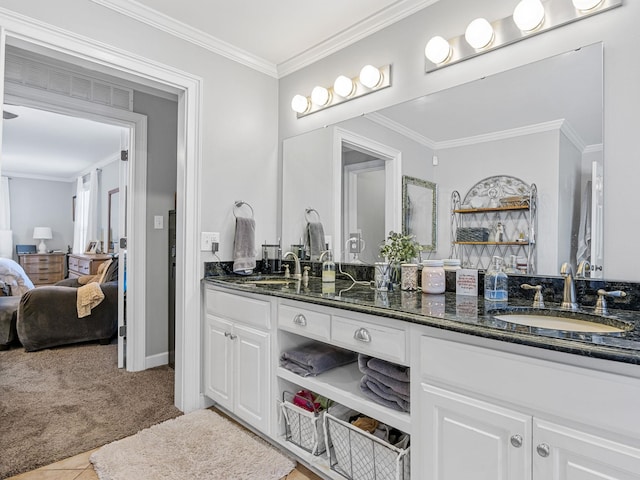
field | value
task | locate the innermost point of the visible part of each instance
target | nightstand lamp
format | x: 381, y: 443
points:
x: 42, y: 234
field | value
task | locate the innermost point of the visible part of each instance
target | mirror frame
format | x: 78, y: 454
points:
x: 408, y: 181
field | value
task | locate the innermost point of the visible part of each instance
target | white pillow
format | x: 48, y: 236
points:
x: 14, y: 275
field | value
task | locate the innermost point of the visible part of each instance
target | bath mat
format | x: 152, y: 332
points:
x: 199, y: 445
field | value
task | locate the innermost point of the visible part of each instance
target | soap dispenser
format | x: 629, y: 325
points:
x: 328, y: 267
x: 496, y: 282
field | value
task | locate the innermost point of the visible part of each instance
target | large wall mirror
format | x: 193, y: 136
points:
x: 541, y: 122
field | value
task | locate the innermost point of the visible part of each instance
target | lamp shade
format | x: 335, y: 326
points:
x: 42, y: 233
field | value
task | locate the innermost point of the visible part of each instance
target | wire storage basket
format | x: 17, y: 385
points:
x: 359, y: 455
x: 304, y: 428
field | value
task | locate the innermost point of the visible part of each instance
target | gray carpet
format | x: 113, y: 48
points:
x: 60, y: 402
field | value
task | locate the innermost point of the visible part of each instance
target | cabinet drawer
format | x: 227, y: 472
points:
x: 304, y: 322
x: 73, y: 263
x: 249, y: 311
x: 375, y: 340
x: 42, y: 268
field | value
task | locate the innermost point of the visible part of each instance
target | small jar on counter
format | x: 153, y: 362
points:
x: 433, y: 277
x: 451, y: 264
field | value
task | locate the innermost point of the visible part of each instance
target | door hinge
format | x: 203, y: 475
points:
x: 124, y: 155
x: 122, y: 332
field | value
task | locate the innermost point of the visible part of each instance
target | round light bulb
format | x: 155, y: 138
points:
x: 437, y: 50
x: 479, y: 33
x: 344, y: 86
x: 320, y: 96
x: 528, y: 15
x: 370, y: 76
x: 586, y: 4
x: 299, y: 104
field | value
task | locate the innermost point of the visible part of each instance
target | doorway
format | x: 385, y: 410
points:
x: 187, y: 87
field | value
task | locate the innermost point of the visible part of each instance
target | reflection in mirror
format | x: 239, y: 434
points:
x: 540, y: 122
x: 112, y: 221
x: 419, y: 211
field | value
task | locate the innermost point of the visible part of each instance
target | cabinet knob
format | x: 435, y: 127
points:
x: 232, y: 336
x: 362, y: 335
x: 516, y: 440
x: 300, y: 319
x: 543, y: 450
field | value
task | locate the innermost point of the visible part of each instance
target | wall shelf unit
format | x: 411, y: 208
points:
x: 496, y: 217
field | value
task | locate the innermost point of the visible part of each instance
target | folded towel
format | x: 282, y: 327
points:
x: 399, y: 372
x: 315, y: 358
x: 364, y: 388
x: 88, y: 297
x: 396, y: 385
x: 383, y: 391
x: 244, y: 249
x: 315, y: 240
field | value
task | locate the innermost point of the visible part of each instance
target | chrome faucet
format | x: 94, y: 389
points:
x: 296, y: 272
x: 569, y: 295
x: 584, y: 269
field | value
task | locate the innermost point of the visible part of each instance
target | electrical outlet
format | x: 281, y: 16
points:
x: 354, y: 242
x: 207, y: 239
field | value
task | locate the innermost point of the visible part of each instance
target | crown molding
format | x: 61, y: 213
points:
x: 169, y: 25
x: 401, y: 129
x: 370, y: 25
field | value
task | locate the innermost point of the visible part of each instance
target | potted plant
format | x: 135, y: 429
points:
x: 399, y: 248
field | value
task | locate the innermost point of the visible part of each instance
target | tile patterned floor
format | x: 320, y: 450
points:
x: 79, y: 468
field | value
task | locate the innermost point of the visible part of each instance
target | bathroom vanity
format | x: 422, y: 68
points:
x: 489, y: 399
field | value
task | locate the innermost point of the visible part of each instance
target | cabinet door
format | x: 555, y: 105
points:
x: 252, y: 376
x: 466, y: 438
x: 218, y: 361
x: 562, y: 453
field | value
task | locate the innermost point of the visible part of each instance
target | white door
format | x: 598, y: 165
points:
x: 218, y: 361
x: 468, y: 439
x: 563, y: 453
x: 123, y: 190
x: 597, y: 220
x: 252, y: 379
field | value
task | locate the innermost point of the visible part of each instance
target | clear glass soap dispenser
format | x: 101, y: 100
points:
x: 328, y: 267
x: 496, y: 282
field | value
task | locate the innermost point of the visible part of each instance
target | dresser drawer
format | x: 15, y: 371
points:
x: 73, y: 263
x: 379, y: 341
x: 239, y: 308
x: 304, y: 322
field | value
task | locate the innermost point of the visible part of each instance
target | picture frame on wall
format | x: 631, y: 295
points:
x: 91, y: 247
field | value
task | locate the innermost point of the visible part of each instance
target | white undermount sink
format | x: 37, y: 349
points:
x: 561, y: 323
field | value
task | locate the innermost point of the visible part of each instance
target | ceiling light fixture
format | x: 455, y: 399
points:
x: 528, y: 15
x: 531, y: 17
x: 344, y: 89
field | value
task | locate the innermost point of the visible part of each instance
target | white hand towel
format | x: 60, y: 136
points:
x: 244, y: 246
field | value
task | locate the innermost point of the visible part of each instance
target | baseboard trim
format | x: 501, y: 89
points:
x: 156, y: 360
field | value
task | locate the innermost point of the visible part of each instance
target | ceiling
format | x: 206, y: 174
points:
x: 50, y: 146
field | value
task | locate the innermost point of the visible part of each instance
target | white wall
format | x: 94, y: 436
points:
x: 402, y: 45
x: 41, y: 203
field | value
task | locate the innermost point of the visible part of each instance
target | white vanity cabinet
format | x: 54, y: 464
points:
x: 498, y: 416
x: 237, y: 358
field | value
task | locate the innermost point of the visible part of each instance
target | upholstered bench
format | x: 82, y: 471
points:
x: 8, y: 315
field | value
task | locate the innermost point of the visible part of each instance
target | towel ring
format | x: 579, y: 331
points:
x: 238, y: 204
x: 307, y: 213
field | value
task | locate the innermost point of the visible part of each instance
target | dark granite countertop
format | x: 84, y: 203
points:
x: 467, y: 315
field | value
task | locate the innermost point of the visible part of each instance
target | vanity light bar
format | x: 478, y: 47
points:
x: 441, y: 53
x: 370, y: 79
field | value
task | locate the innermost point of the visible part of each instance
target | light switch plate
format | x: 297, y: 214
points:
x: 207, y: 239
x: 158, y: 222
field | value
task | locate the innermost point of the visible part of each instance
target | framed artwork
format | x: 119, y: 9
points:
x: 91, y: 247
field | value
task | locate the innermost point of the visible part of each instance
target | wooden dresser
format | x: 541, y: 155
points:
x: 43, y: 268
x: 85, y: 263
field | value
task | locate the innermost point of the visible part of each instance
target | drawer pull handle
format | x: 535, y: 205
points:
x: 516, y: 440
x: 230, y: 335
x: 543, y: 450
x: 300, y: 319
x: 362, y: 335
